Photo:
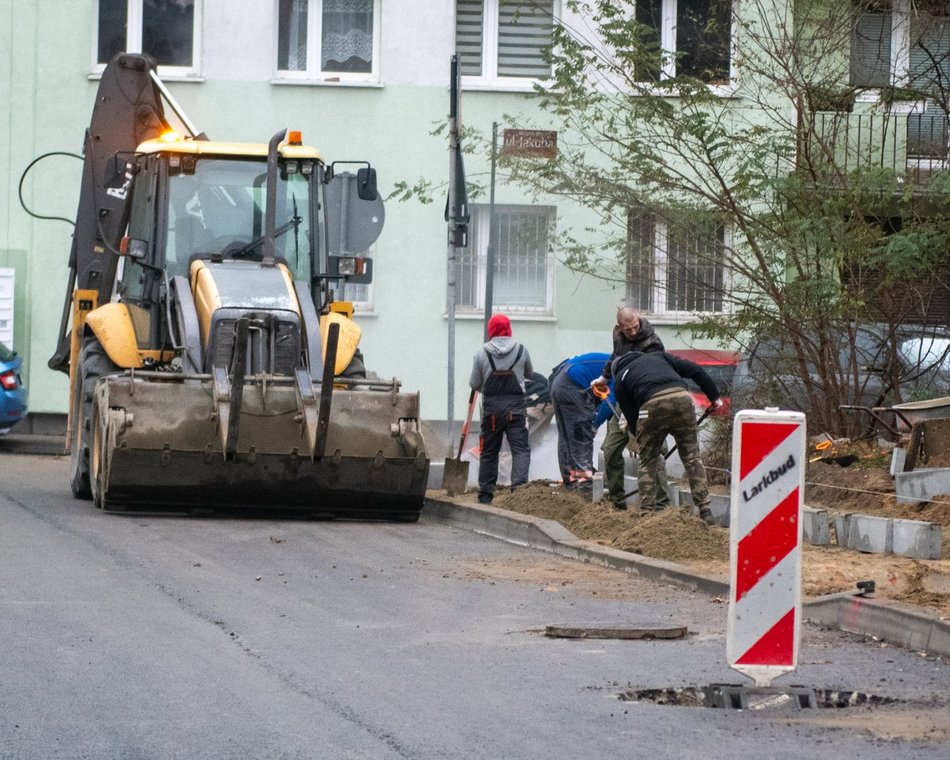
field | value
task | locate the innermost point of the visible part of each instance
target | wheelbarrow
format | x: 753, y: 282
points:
x: 906, y: 414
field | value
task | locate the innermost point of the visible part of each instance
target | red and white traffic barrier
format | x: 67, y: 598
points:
x: 765, y: 543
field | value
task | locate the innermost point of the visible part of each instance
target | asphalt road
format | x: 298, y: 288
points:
x: 166, y: 637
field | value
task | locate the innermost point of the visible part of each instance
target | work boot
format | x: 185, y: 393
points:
x: 706, y: 515
x: 484, y: 498
x: 620, y: 506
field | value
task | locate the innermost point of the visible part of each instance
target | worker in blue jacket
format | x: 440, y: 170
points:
x: 574, y: 409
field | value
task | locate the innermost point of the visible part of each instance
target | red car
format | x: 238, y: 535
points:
x: 721, y: 365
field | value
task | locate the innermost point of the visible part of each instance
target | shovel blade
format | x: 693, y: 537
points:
x: 455, y: 476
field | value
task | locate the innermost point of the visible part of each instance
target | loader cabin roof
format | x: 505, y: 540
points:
x: 215, y: 148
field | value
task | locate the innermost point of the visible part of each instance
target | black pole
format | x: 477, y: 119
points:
x: 490, y: 255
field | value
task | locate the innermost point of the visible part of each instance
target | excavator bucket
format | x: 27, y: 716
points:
x: 166, y: 442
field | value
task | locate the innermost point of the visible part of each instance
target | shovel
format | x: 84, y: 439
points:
x: 455, y: 472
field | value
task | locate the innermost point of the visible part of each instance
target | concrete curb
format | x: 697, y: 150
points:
x: 886, y: 621
x: 31, y: 443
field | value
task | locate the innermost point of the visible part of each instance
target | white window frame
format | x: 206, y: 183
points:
x: 661, y: 276
x: 133, y: 40
x: 365, y: 306
x: 313, y: 73
x: 479, y: 231
x: 668, y: 46
x: 489, y: 78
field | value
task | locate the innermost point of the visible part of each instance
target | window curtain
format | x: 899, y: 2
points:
x: 347, y: 44
x: 468, y: 36
x: 292, y: 35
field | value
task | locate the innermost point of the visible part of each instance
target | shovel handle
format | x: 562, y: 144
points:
x: 468, y: 421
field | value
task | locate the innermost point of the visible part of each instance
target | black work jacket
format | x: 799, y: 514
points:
x: 646, y: 340
x: 639, y: 376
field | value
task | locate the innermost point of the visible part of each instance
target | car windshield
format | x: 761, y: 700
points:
x: 929, y: 352
x: 221, y: 207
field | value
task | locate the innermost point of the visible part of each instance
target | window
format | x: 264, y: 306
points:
x: 329, y: 40
x: 523, y: 274
x: 360, y: 294
x: 908, y: 45
x: 902, y: 43
x: 685, y: 38
x: 871, y: 46
x: 674, y: 269
x: 163, y: 29
x: 503, y: 40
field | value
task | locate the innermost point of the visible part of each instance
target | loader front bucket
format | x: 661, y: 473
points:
x: 157, y: 446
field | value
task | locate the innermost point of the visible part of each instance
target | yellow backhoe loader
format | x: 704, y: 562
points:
x: 210, y: 366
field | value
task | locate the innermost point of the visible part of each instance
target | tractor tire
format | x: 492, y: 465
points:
x: 93, y: 364
x: 356, y: 368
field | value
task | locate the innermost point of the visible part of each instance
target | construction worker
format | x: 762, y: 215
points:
x: 499, y: 370
x: 654, y: 399
x: 574, y: 408
x: 631, y: 333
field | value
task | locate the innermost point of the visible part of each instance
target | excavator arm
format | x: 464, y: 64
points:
x: 128, y: 110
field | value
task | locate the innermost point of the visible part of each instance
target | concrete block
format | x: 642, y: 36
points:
x: 915, y: 538
x: 720, y: 503
x: 922, y: 484
x: 870, y: 534
x: 597, y: 486
x: 842, y: 525
x: 815, y: 528
x: 883, y: 535
x: 436, y: 470
x: 676, y: 495
x: 630, y: 484
x: 898, y: 457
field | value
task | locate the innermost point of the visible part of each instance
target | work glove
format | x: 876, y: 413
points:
x: 717, y: 403
x: 599, y: 384
x: 623, y: 423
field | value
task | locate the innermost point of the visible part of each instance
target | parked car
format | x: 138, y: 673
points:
x: 873, y: 367
x: 721, y: 365
x: 13, y: 394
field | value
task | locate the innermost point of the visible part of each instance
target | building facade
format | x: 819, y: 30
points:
x: 369, y: 80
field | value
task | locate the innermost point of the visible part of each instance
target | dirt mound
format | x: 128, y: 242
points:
x: 670, y: 534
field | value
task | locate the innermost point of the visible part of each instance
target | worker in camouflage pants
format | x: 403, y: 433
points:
x: 652, y: 394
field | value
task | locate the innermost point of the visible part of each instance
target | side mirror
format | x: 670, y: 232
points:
x: 366, y: 184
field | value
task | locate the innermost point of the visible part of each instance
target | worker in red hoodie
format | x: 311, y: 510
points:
x: 498, y: 373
